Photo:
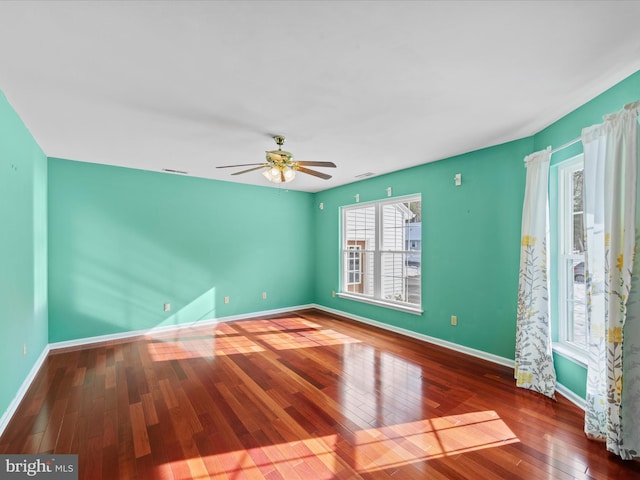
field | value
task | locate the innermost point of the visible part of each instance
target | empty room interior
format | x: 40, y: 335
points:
x: 294, y: 240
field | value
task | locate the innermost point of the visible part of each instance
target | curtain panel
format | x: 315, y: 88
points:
x: 613, y: 311
x: 534, y: 368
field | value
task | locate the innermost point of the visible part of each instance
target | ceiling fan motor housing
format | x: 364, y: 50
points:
x: 280, y: 158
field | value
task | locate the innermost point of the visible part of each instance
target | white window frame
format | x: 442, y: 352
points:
x: 376, y: 252
x: 566, y: 257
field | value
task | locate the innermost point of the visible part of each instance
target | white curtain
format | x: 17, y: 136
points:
x: 534, y: 361
x: 610, y: 182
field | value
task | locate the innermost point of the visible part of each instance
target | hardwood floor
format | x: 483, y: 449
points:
x: 298, y: 396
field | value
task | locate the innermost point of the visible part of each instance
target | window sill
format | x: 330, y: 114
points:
x: 571, y: 353
x: 381, y: 303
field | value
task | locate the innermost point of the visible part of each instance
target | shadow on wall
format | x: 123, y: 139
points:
x: 124, y: 242
x: 116, y: 279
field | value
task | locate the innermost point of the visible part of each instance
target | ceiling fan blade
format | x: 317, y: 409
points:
x: 262, y: 165
x: 313, y: 172
x: 240, y: 165
x: 317, y: 164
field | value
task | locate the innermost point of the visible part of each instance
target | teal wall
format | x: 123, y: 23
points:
x: 571, y: 375
x: 471, y: 246
x: 124, y: 242
x: 23, y: 252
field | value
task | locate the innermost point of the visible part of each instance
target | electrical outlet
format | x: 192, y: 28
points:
x: 226, y: 299
x: 24, y: 349
x: 454, y: 320
x: 333, y: 293
x: 167, y: 307
x: 264, y: 295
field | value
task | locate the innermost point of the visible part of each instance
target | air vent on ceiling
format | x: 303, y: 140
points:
x: 171, y: 170
x: 365, y: 175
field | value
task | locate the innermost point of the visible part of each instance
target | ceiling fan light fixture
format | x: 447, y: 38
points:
x: 272, y: 174
x: 276, y: 174
x: 289, y: 174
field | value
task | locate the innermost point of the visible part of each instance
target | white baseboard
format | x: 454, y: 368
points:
x: 507, y: 362
x: 572, y: 397
x: 169, y: 328
x: 425, y: 338
x: 22, y: 391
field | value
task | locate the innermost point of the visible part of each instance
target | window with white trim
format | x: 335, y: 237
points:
x: 381, y: 253
x: 572, y: 328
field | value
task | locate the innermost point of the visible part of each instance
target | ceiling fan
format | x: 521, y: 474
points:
x: 281, y: 167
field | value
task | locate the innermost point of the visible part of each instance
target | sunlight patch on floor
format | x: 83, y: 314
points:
x: 204, y: 347
x: 280, y: 334
x: 375, y: 449
x: 396, y: 445
x: 305, y: 339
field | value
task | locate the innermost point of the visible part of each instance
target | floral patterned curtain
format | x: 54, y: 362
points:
x: 611, y: 208
x: 534, y: 361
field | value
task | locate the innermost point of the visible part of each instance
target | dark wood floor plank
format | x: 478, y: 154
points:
x: 51, y: 433
x: 110, y: 462
x: 297, y: 396
x: 93, y: 460
x: 126, y: 452
x: 140, y: 436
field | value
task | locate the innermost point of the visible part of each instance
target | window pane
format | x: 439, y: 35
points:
x: 360, y: 224
x: 400, y: 281
x: 577, y: 190
x: 578, y: 233
x: 414, y: 279
x: 393, y: 280
x: 358, y: 272
x: 416, y: 209
x: 400, y: 271
x: 393, y: 219
x: 578, y: 212
x: 576, y: 303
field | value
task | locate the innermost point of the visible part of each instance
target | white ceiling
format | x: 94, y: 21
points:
x: 372, y: 86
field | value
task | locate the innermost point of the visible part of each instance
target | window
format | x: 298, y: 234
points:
x: 572, y: 328
x: 381, y: 253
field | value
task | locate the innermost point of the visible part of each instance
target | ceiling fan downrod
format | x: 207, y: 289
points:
x: 279, y: 141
